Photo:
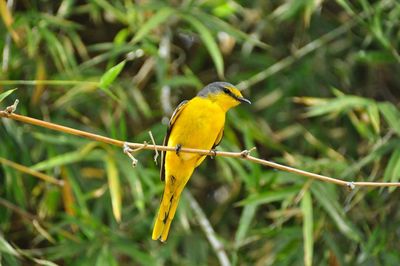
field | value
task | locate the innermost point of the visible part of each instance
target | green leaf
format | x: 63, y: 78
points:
x: 375, y: 57
x: 112, y: 9
x: 130, y: 249
x: 379, y: 150
x: 391, y: 115
x: 392, y: 171
x: 330, y: 204
x: 270, y: 196
x: 62, y: 57
x: 209, y: 42
x: 361, y: 126
x: 63, y: 159
x: 115, y: 187
x: 377, y: 30
x: 307, y: 210
x: 221, y: 25
x: 44, y: 262
x: 110, y: 76
x: 244, y: 223
x: 121, y: 36
x: 6, y: 94
x: 341, y: 104
x: 346, y: 6
x: 224, y: 9
x: 177, y: 80
x: 70, y: 157
x: 141, y: 102
x: 7, y: 248
x: 162, y: 15
x: 106, y: 258
x: 335, y: 246
x: 373, y: 113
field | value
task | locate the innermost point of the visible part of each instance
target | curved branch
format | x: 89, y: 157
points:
x: 8, y: 113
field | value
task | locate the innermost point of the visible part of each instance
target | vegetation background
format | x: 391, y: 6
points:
x: 324, y: 80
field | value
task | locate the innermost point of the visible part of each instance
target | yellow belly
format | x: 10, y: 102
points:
x: 198, y: 126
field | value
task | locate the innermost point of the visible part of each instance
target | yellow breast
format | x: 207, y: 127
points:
x: 197, y: 126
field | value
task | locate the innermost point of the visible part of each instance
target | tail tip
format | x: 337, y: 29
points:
x: 159, y: 239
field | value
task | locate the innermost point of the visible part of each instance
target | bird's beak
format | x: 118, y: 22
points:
x: 243, y: 100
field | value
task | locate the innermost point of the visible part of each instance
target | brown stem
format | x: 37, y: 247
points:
x: 27, y: 170
x: 243, y: 154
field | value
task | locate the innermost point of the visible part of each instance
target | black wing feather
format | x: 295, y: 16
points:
x: 219, y: 138
x: 174, y: 116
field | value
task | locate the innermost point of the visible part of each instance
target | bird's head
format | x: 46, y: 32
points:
x: 224, y: 94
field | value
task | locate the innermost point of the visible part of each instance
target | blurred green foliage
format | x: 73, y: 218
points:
x: 324, y: 80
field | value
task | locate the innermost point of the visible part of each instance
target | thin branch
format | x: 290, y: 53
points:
x: 154, y: 143
x: 243, y: 154
x: 11, y: 206
x: 27, y: 170
x: 208, y: 230
x: 33, y: 218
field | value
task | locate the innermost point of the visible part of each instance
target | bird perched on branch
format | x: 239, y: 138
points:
x: 199, y: 124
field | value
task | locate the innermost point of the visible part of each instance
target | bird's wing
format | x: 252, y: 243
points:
x: 216, y: 142
x: 174, y: 116
x: 219, y: 138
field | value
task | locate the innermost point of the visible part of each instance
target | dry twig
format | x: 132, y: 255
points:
x: 242, y: 155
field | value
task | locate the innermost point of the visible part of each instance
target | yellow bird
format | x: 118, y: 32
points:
x: 199, y: 124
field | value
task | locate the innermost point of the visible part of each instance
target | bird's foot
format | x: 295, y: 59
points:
x: 178, y: 149
x: 213, y: 153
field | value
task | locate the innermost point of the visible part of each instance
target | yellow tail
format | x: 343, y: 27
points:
x: 166, y: 213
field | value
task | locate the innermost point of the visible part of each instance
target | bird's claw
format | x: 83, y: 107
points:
x: 351, y: 186
x: 213, y: 153
x: 178, y: 149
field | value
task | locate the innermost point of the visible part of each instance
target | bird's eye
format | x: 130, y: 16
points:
x: 226, y: 90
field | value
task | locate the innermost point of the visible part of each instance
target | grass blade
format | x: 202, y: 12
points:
x: 161, y: 16
x: 67, y: 194
x: 270, y: 196
x: 86, y: 153
x: 111, y: 75
x: 391, y: 115
x: 392, y: 171
x: 115, y: 188
x: 221, y: 25
x: 307, y: 210
x: 373, y: 113
x: 331, y: 206
x: 6, y: 94
x: 209, y: 42
x: 337, y: 105
x: 7, y: 248
x: 244, y: 223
